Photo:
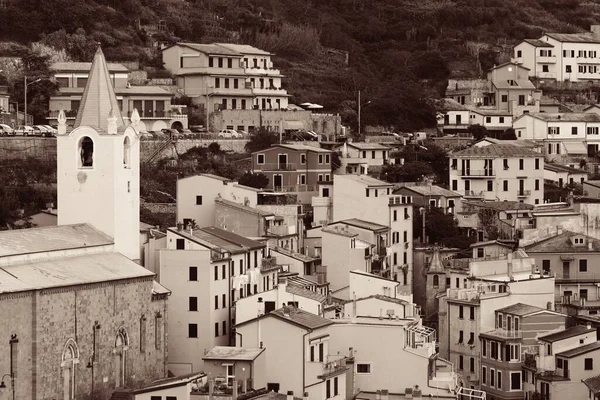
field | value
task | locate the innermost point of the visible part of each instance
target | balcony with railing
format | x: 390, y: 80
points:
x: 335, y: 365
x: 296, y: 188
x: 218, y: 255
x: 277, y: 167
x: 159, y: 114
x: 442, y: 374
x: 546, y: 59
x: 420, y: 340
x: 281, y: 230
x: 477, y: 173
x: 524, y: 193
x: 588, y: 60
x: 400, y: 200
x: 474, y: 194
x: 70, y: 114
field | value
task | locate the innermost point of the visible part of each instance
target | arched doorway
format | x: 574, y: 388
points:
x: 177, y: 125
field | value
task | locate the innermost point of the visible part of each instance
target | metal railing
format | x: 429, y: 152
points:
x: 472, y: 193
x: 277, y: 167
x: 523, y: 193
x: 394, y: 200
x: 477, y: 172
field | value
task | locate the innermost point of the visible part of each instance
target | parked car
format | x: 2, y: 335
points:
x: 186, y: 133
x: 43, y: 131
x: 303, y: 135
x: 6, y: 130
x: 24, y: 130
x: 198, y: 129
x: 51, y: 129
x: 172, y: 133
x: 229, y: 134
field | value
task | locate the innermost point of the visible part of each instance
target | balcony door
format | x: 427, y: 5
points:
x: 137, y: 104
x: 148, y: 108
x: 566, y: 269
x: 282, y: 161
x: 277, y: 182
x: 521, y: 186
x: 458, y: 119
x: 160, y: 109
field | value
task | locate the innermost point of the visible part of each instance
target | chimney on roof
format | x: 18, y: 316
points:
x: 559, y: 229
x: 281, y: 289
x: 260, y: 307
x: 590, y: 246
x: 589, y: 325
x: 305, y: 396
x: 286, y: 311
x: 290, y: 395
x: 49, y: 207
x: 179, y: 227
x: 385, y: 394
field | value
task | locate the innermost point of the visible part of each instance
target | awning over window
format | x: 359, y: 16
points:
x: 293, y: 125
x: 575, y: 148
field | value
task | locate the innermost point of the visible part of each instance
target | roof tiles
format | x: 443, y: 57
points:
x: 496, y: 150
x: 563, y: 243
x: 520, y: 309
x: 567, y: 333
x: 301, y: 318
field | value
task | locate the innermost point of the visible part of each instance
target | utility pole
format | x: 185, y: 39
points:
x: 424, y: 217
x: 25, y: 85
x: 359, y: 113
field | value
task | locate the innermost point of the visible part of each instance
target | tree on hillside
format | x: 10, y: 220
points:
x: 413, y: 171
x: 258, y: 181
x: 260, y: 140
x: 440, y: 228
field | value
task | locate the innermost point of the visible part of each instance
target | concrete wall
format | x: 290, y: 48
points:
x: 21, y: 148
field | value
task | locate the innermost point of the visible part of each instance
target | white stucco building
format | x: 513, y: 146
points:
x: 498, y: 172
x: 562, y: 56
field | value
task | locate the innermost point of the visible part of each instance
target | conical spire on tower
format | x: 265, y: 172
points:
x: 98, y: 99
x: 436, y: 262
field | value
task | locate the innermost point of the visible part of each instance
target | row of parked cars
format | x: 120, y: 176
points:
x: 26, y: 130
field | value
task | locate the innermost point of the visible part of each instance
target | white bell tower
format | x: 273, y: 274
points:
x: 98, y: 163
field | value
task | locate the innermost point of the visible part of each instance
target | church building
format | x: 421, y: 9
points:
x: 80, y: 316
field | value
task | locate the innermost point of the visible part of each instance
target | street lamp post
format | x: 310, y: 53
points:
x: 26, y: 85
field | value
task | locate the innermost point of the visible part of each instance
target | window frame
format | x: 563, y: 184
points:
x: 370, y: 364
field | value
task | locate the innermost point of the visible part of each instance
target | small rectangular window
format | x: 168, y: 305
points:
x: 582, y: 265
x: 193, y: 330
x: 193, y: 304
x: 216, y: 329
x: 224, y: 327
x: 193, y: 273
x: 589, y: 364
x: 460, y: 312
x: 198, y: 200
x: 216, y: 272
x: 363, y: 368
x: 216, y: 302
x: 260, y: 159
x: 180, y: 244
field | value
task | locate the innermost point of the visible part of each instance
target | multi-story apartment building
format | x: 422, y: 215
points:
x: 369, y: 199
x: 153, y: 103
x: 564, y: 175
x: 293, y: 167
x: 571, y: 258
x: 565, y: 138
x: 453, y: 117
x: 299, y: 356
x: 558, y: 365
x: 503, y: 349
x: 511, y: 90
x: 357, y: 157
x: 498, y: 172
x: 473, y: 294
x: 561, y: 56
x: 208, y: 269
x: 490, y: 119
x: 226, y: 76
x: 428, y: 195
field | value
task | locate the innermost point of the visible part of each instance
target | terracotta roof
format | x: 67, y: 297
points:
x: 520, y: 309
x: 427, y: 190
x: 593, y: 384
x: 574, y: 37
x: 244, y: 48
x: 233, y: 239
x: 364, y: 179
x: 537, y: 43
x: 309, y: 294
x: 447, y: 104
x: 496, y: 150
x: 362, y: 224
x: 207, y: 48
x: 98, y: 99
x: 578, y: 351
x: 243, y: 207
x: 565, y: 117
x: 502, y: 205
x: 563, y: 244
x: 301, y: 318
x: 367, y: 146
x: 492, y: 113
x: 563, y: 168
x: 520, y: 84
x: 567, y: 333
x: 84, y: 67
x: 300, y: 147
x: 233, y: 353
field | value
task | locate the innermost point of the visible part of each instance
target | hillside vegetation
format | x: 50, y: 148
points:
x: 401, y: 52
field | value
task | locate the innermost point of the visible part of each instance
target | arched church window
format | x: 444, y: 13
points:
x: 127, y: 153
x: 120, y: 352
x: 86, y: 152
x: 69, y: 359
x: 436, y: 281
